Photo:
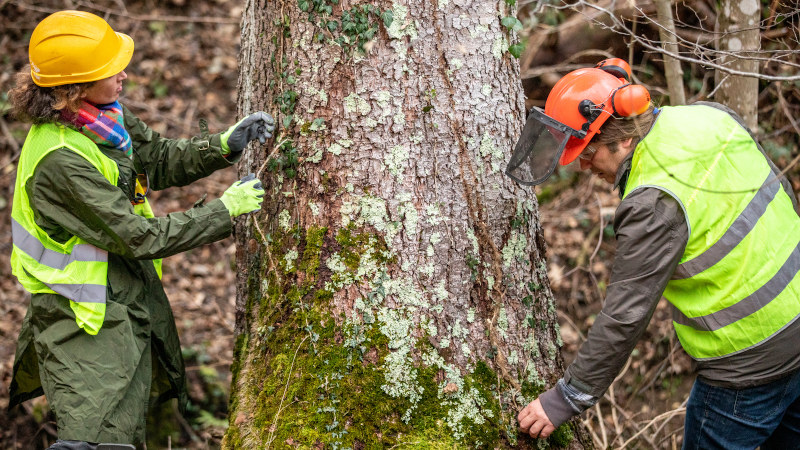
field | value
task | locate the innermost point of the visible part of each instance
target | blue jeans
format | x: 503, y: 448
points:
x: 730, y: 419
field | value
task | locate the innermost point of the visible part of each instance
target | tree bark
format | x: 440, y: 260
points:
x: 672, y: 67
x: 393, y: 289
x: 738, y: 27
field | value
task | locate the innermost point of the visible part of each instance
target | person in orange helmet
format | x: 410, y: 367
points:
x: 707, y: 220
x: 99, y: 339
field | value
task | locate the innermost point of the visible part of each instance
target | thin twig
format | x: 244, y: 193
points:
x: 272, y: 427
x: 137, y: 17
x: 12, y: 141
x: 666, y: 416
x: 275, y: 150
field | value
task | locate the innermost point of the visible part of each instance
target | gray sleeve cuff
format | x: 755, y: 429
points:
x: 555, y: 406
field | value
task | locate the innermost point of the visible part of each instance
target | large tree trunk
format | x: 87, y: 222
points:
x: 393, y: 289
x: 740, y: 39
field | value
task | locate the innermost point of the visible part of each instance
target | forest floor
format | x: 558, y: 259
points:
x: 184, y: 68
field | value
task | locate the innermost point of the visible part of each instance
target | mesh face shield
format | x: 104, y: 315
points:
x: 539, y: 148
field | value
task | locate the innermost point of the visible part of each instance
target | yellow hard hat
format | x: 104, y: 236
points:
x: 76, y: 47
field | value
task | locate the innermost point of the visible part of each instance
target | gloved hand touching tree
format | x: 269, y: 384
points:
x: 244, y: 196
x: 258, y: 125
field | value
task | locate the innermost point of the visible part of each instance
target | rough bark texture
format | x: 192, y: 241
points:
x: 738, y: 27
x: 672, y: 67
x: 393, y: 290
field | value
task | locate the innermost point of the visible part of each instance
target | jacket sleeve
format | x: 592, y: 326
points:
x: 651, y: 235
x: 70, y: 197
x: 174, y: 162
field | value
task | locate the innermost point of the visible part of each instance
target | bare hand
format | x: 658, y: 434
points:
x: 534, y: 421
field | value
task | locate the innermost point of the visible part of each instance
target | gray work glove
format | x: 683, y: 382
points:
x: 258, y: 125
x: 244, y: 196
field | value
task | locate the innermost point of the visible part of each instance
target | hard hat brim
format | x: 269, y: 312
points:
x: 111, y: 68
x: 123, y: 58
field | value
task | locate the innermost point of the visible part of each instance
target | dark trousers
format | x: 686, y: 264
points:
x: 731, y: 419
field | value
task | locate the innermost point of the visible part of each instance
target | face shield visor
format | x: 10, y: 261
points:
x: 539, y: 148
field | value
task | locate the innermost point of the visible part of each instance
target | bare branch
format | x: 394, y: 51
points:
x: 703, y: 56
x: 137, y: 17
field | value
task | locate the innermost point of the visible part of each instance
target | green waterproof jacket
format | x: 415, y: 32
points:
x: 100, y: 386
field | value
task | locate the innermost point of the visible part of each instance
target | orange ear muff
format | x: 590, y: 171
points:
x: 617, y: 67
x: 630, y: 100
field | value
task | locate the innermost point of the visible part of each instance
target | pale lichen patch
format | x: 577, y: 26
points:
x: 433, y: 214
x: 408, y: 212
x: 395, y: 160
x: 316, y: 156
x: 515, y: 249
x: 404, y: 292
x: 499, y: 46
x: 473, y: 240
x: 428, y: 269
x: 533, y: 376
x: 290, y: 258
x: 354, y: 103
x: 314, y: 208
x: 469, y: 406
x: 513, y: 358
x: 382, y: 97
x: 373, y: 211
x: 284, y: 220
x: 335, y: 148
x: 502, y: 323
x: 400, y: 375
x: 402, y: 25
x: 399, y: 120
x: 440, y: 292
x: 478, y: 31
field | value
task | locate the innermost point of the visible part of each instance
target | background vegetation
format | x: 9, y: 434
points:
x: 185, y: 67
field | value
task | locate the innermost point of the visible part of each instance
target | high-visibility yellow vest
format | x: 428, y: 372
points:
x: 737, y: 283
x: 74, y: 269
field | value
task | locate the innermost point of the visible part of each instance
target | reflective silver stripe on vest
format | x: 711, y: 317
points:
x: 748, y: 305
x: 733, y: 236
x: 29, y: 244
x: 81, y: 293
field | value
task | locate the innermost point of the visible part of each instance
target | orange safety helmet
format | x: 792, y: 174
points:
x: 76, y: 47
x: 577, y: 106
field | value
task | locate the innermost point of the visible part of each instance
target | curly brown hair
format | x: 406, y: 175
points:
x: 36, y: 104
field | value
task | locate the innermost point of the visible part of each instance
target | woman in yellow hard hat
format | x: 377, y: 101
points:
x: 99, y: 339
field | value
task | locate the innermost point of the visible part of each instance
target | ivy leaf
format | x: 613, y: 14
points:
x: 303, y: 5
x: 332, y: 25
x: 511, y: 2
x: 512, y: 23
x: 516, y: 49
x: 387, y: 17
x: 317, y: 124
x: 287, y: 121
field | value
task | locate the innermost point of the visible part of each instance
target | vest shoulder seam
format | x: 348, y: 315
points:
x: 671, y: 194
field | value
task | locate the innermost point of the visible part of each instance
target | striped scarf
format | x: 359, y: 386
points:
x: 103, y: 124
